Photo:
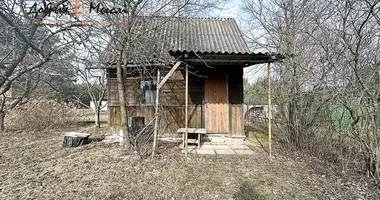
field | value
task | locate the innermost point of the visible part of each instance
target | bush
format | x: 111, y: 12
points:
x: 141, y: 138
x: 41, y: 115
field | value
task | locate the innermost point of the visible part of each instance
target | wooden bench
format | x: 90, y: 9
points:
x: 199, y: 131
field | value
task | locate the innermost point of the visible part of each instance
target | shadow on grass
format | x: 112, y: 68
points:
x: 164, y: 146
x: 257, y: 135
x: 248, y: 191
x: 258, y: 140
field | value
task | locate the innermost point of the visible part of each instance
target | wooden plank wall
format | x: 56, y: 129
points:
x: 236, y: 120
x: 172, y: 117
x: 132, y: 92
x: 172, y: 101
x: 113, y: 94
x: 114, y: 118
x: 236, y: 100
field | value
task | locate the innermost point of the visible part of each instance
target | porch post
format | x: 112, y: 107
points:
x: 156, y: 115
x: 269, y: 114
x: 186, y: 109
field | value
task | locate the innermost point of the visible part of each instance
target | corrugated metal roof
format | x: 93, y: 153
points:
x: 154, y: 37
x: 207, y: 35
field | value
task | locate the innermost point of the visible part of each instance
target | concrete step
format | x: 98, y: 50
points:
x: 235, y: 140
x: 215, y: 138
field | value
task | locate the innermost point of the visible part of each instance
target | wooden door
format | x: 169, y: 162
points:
x: 216, y: 103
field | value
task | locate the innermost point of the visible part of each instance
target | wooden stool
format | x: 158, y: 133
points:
x: 199, y: 131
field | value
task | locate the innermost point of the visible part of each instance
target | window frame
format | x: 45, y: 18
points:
x: 148, y: 83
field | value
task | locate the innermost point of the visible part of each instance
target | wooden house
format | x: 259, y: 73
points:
x: 215, y: 53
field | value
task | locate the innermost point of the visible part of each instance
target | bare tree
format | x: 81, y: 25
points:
x: 33, y: 46
x: 352, y: 54
x: 332, y: 67
x: 283, y: 26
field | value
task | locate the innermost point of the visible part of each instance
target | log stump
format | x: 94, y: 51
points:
x: 75, y: 139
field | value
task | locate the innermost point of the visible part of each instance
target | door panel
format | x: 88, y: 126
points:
x: 216, y: 102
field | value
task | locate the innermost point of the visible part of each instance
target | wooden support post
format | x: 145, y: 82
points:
x: 269, y: 114
x: 186, y: 109
x: 156, y: 115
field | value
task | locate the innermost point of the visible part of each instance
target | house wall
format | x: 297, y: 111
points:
x: 172, y: 100
x: 236, y: 100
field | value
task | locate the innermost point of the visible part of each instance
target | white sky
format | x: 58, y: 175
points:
x: 232, y: 8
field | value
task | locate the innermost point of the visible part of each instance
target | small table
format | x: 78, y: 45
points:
x: 199, y: 131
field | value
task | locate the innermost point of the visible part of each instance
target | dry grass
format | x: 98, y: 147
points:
x: 40, y: 115
x: 88, y: 115
x: 36, y: 166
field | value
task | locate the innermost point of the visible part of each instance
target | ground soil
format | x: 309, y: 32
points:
x: 36, y: 166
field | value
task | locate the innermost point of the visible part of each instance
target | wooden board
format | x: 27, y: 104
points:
x: 113, y: 94
x: 237, y: 122
x: 192, y: 130
x: 216, y: 104
x: 114, y: 118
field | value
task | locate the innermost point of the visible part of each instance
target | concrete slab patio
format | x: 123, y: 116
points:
x: 219, y: 149
x: 225, y: 152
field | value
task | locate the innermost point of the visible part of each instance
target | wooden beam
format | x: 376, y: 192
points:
x: 168, y: 75
x: 227, y: 61
x: 156, y: 116
x: 112, y: 66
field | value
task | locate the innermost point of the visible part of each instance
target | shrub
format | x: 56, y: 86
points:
x: 41, y: 115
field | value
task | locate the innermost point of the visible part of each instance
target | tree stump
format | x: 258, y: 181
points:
x: 75, y: 139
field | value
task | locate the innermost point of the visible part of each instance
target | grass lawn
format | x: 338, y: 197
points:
x: 36, y: 166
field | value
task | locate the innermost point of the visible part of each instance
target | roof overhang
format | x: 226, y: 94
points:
x: 209, y: 58
x: 225, y: 58
x: 131, y: 65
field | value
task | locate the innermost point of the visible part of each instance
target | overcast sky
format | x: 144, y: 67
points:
x: 232, y: 8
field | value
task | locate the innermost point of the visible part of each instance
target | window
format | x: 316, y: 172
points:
x: 148, y: 92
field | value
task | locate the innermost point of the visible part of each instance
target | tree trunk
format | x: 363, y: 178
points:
x: 373, y: 157
x: 123, y: 111
x: 292, y: 124
x: 2, y: 121
x: 97, y: 117
x: 372, y: 165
